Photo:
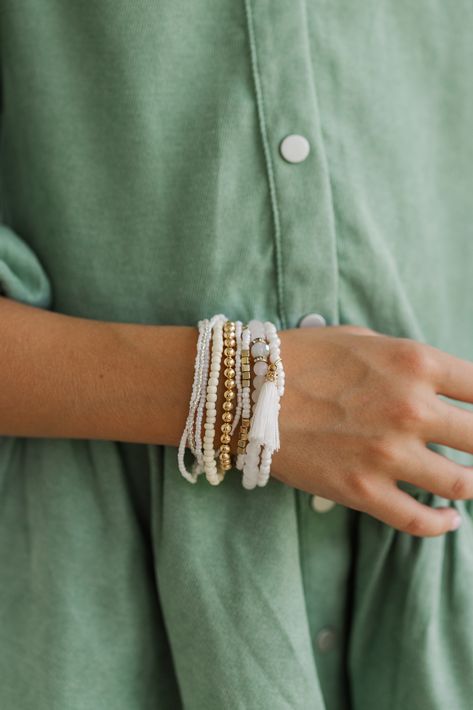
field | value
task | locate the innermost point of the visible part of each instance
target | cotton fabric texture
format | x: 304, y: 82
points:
x: 141, y: 181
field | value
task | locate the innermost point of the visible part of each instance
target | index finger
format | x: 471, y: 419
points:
x: 452, y: 376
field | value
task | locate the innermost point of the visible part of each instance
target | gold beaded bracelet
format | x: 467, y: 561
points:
x: 245, y: 382
x: 225, y: 460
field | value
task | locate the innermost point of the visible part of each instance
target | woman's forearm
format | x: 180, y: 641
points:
x: 65, y: 376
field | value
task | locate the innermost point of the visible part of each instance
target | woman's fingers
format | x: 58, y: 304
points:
x: 452, y: 376
x: 402, y: 511
x: 450, y: 425
x: 438, y: 474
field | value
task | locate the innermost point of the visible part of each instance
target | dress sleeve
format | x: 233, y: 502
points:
x: 22, y: 276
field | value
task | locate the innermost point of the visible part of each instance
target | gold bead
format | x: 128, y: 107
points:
x: 245, y: 368
x: 229, y: 384
x: 226, y: 466
x: 229, y: 373
x: 227, y: 417
x: 229, y: 362
x: 228, y: 406
x: 225, y: 439
x: 229, y: 342
x: 245, y: 422
x: 245, y: 353
x: 241, y: 443
x: 229, y: 352
x: 225, y: 449
x: 226, y: 428
x: 260, y: 358
x: 229, y: 395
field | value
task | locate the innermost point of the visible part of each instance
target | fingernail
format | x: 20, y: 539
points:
x: 456, y: 522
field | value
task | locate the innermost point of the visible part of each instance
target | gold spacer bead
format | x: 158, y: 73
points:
x: 245, y: 353
x: 260, y: 358
x: 245, y: 367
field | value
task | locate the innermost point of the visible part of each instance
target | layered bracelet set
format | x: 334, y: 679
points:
x: 247, y: 357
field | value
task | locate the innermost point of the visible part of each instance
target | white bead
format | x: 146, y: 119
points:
x: 259, y: 349
x: 257, y: 329
x: 260, y: 368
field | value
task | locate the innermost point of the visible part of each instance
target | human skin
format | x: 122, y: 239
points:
x: 358, y: 409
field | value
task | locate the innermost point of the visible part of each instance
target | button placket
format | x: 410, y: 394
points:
x: 299, y: 183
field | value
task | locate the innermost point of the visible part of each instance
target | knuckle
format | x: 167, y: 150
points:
x: 382, y: 451
x: 361, y: 486
x: 408, y: 412
x: 460, y: 488
x: 416, y: 525
x: 414, y: 358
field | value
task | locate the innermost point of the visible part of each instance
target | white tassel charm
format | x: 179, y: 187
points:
x: 265, y: 421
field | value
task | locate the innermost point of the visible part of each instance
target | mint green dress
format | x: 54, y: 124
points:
x: 142, y: 180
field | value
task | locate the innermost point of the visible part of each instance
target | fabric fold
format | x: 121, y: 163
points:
x: 22, y: 276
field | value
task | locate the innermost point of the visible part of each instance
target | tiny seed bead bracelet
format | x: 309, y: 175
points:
x: 229, y: 346
x: 212, y: 473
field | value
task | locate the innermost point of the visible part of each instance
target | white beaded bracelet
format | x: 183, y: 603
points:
x: 213, y: 475
x: 257, y: 410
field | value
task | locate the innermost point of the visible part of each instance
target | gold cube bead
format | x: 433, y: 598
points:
x: 245, y: 353
x: 245, y: 368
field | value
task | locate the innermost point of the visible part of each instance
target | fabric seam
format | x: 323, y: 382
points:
x: 269, y: 165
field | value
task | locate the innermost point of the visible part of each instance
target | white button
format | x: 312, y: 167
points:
x: 312, y: 320
x: 326, y: 638
x: 321, y: 505
x: 294, y: 148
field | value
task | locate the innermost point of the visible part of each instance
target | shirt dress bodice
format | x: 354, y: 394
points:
x: 146, y: 176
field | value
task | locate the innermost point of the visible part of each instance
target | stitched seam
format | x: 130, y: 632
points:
x: 269, y: 166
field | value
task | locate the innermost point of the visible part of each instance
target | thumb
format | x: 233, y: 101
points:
x: 356, y: 329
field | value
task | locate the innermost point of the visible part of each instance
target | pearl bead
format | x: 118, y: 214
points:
x: 259, y: 349
x: 260, y: 368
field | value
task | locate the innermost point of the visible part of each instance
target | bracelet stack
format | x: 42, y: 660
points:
x: 247, y: 358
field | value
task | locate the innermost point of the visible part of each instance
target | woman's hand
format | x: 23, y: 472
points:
x: 357, y: 414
